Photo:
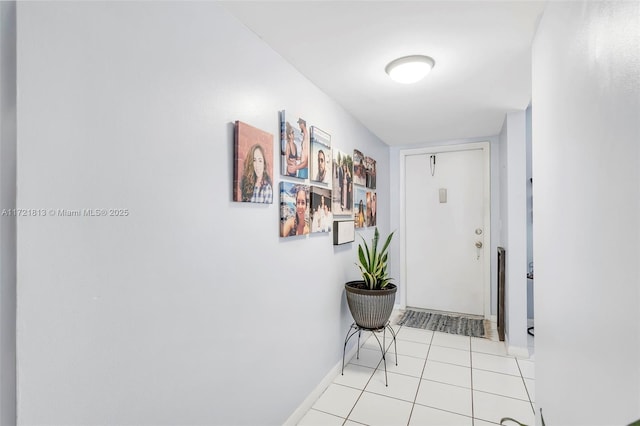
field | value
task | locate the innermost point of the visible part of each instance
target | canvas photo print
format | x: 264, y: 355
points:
x: 342, y: 190
x: 294, y: 209
x: 359, y: 172
x: 360, y: 207
x: 372, y: 201
x: 321, y: 216
x: 370, y: 172
x: 253, y: 167
x: 320, y: 167
x: 294, y: 145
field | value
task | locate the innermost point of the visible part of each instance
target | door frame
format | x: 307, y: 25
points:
x: 438, y: 149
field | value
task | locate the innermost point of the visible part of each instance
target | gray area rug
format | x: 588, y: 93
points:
x: 446, y: 323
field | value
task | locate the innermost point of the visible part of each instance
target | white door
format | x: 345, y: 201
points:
x: 446, y: 203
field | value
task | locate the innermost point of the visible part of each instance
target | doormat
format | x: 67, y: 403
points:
x: 446, y: 323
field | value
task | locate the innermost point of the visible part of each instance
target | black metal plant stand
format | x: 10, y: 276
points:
x: 356, y: 329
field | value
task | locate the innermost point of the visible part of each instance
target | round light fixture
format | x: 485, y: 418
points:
x: 410, y: 69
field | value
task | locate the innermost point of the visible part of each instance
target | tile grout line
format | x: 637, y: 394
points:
x: 326, y: 412
x: 430, y: 343
x: 503, y: 396
x: 384, y: 353
x: 525, y: 387
x: 358, y: 399
x: 457, y: 413
x: 473, y: 413
x: 424, y: 366
x: 519, y: 375
x: 437, y: 362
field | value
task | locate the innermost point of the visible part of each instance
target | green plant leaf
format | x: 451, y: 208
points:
x: 373, y: 262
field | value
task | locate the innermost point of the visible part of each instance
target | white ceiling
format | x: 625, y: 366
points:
x: 482, y: 51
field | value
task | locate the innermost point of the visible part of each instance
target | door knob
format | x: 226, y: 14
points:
x: 479, y: 244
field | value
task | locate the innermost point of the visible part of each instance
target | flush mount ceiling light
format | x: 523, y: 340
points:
x: 410, y: 69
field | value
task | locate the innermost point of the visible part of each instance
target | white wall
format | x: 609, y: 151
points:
x: 513, y: 233
x: 395, y: 214
x: 586, y: 128
x: 7, y: 221
x: 191, y: 310
x: 503, y: 214
x: 530, y: 305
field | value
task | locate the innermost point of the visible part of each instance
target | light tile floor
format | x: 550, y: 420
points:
x: 441, y: 379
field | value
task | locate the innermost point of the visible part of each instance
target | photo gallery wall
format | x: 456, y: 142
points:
x: 319, y: 183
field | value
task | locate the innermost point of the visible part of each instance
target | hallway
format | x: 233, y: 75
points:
x: 441, y: 379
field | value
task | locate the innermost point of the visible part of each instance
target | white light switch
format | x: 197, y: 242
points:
x: 443, y: 195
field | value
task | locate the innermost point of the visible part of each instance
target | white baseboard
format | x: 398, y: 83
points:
x: 306, y: 405
x: 517, y: 351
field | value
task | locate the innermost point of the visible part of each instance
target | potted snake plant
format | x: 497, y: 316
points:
x: 371, y: 299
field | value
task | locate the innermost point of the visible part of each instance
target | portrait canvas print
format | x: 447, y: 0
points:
x: 294, y: 211
x: 321, y: 216
x: 294, y: 145
x: 359, y: 174
x: 360, y: 207
x: 320, y: 166
x: 342, y: 190
x: 370, y: 171
x: 253, y: 168
x: 371, y: 208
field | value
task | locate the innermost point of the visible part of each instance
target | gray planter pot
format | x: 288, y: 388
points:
x: 370, y: 309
